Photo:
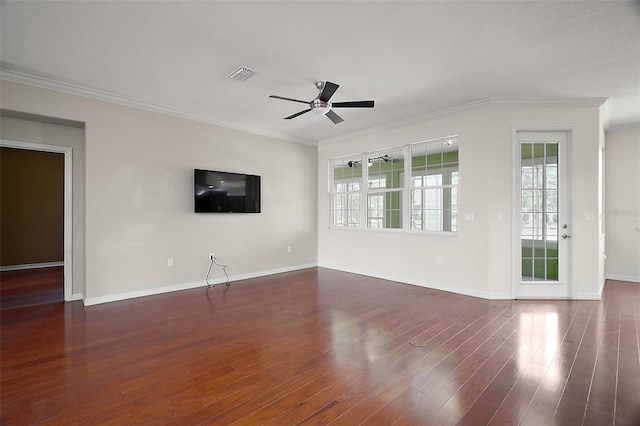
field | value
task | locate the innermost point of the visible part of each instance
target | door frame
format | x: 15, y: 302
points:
x: 68, y: 204
x: 516, y: 209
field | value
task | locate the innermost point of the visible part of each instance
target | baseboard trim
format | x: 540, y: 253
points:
x: 75, y: 296
x: 90, y: 301
x: 463, y: 291
x: 269, y: 272
x: 587, y: 296
x: 623, y: 278
x: 435, y: 286
x: 30, y: 266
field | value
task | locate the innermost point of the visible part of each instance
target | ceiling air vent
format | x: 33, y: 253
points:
x: 241, y: 74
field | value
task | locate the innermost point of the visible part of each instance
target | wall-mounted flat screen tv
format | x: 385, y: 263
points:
x: 225, y: 192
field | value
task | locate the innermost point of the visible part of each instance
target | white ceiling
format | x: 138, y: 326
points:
x: 414, y: 58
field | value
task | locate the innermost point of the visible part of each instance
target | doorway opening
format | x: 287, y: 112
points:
x: 34, y: 253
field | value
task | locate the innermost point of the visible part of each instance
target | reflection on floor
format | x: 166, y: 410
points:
x: 29, y: 287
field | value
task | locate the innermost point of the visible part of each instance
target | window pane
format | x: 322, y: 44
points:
x: 433, y: 220
x: 434, y: 170
x: 538, y: 181
x: 433, y: 198
x: 347, y: 178
x: 552, y: 153
x: 527, y: 177
x: 527, y: 269
x: 386, y: 165
x: 551, y: 201
x: 552, y: 177
x: 434, y: 180
x: 539, y: 210
x: 537, y: 200
x: 384, y: 210
x: 395, y: 219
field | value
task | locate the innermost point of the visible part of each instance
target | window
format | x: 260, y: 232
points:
x: 346, y: 193
x: 375, y: 211
x: 434, y: 185
x: 539, y: 191
x: 384, y: 189
x: 426, y: 201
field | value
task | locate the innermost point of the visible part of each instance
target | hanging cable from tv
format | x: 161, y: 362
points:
x: 224, y: 269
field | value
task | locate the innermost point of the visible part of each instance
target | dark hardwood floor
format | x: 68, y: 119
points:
x: 324, y: 347
x: 30, y: 287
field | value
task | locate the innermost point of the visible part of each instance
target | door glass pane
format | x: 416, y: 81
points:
x: 539, y: 211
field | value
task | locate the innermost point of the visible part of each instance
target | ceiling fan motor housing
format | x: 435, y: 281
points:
x: 320, y: 107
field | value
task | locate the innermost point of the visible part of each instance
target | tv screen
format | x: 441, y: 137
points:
x: 224, y: 192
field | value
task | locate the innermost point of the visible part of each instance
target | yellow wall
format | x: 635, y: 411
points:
x: 32, y: 200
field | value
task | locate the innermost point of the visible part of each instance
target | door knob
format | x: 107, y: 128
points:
x: 565, y: 236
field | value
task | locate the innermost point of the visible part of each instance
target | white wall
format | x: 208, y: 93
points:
x: 139, y: 205
x: 139, y: 197
x: 622, y: 203
x: 477, y: 260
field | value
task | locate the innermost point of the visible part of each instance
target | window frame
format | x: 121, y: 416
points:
x: 405, y: 190
x: 375, y: 160
x: 348, y: 195
x: 448, y: 200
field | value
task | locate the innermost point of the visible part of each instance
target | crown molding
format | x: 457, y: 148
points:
x: 547, y: 102
x: 444, y: 112
x: 77, y: 90
x: 622, y: 127
x: 73, y: 89
x: 497, y: 102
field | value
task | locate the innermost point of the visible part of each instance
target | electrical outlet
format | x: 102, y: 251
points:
x: 438, y: 260
x: 211, y: 257
x: 288, y: 249
x: 170, y: 261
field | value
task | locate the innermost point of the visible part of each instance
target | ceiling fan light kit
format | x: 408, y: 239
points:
x: 321, y: 105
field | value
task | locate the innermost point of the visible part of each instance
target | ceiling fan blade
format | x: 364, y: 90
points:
x: 334, y: 117
x: 327, y: 91
x: 297, y: 114
x: 353, y: 104
x: 288, y: 99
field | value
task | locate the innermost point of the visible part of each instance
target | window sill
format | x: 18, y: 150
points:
x: 397, y: 231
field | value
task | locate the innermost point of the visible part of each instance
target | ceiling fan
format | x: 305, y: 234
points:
x: 321, y: 104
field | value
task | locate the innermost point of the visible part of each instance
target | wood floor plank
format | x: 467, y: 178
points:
x: 538, y: 366
x: 31, y: 287
x: 549, y: 388
x: 322, y: 347
x: 394, y: 409
x: 447, y: 401
x: 602, y: 394
x: 628, y: 374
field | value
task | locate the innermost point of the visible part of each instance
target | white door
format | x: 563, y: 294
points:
x: 542, y: 229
